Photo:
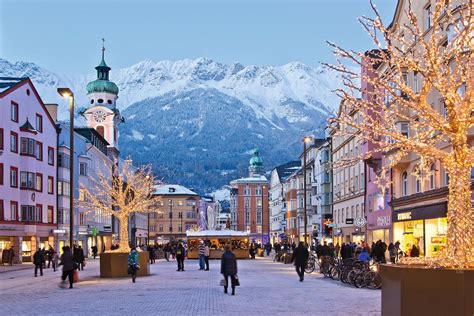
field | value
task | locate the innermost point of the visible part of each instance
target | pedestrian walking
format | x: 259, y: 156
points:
x: 38, y: 260
x: 55, y: 260
x: 201, y: 254
x: 229, y: 269
x: 207, y: 254
x: 133, y: 266
x: 152, y: 253
x: 68, y: 267
x: 94, y: 251
x: 49, y: 256
x: 180, y: 257
x: 268, y: 248
x: 166, y: 250
x: 300, y: 257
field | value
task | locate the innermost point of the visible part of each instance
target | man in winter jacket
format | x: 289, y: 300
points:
x: 201, y: 255
x: 229, y: 269
x: 38, y: 260
x: 300, y: 257
x: 68, y: 266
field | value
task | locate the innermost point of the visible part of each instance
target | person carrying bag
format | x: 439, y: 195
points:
x: 229, y: 269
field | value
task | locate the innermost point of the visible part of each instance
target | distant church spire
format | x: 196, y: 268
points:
x: 103, y: 48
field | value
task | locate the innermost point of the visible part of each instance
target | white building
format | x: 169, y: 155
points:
x: 277, y: 199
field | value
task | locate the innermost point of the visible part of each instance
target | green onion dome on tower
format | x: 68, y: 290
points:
x: 102, y: 83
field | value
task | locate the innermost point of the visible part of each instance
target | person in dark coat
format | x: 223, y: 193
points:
x: 80, y: 257
x: 229, y: 268
x: 38, y: 260
x: 300, y: 257
x: 414, y: 251
x: 180, y: 257
x: 68, y: 266
x: 94, y: 251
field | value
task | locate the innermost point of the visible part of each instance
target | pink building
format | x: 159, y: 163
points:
x: 28, y: 141
x: 377, y: 209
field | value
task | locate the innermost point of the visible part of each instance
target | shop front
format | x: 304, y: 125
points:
x: 379, y: 224
x: 423, y: 226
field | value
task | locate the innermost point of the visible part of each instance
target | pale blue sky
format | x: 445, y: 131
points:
x: 65, y: 35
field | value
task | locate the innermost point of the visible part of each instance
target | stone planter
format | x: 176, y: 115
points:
x: 114, y: 265
x: 411, y: 290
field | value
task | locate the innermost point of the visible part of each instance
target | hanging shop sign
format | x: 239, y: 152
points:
x: 360, y: 222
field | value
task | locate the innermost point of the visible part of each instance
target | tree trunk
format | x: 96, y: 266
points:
x: 123, y: 222
x: 460, y: 239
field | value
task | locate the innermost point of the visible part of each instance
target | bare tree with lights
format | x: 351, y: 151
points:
x: 131, y: 190
x: 444, y: 70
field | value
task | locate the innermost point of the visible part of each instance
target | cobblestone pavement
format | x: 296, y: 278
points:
x: 267, y: 288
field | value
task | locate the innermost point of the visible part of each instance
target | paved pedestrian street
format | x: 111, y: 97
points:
x: 267, y: 288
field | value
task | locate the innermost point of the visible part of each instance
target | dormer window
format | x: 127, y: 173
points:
x: 172, y: 190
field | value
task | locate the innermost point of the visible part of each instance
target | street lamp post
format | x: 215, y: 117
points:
x: 67, y: 93
x: 305, y: 141
x: 170, y: 203
x: 263, y: 188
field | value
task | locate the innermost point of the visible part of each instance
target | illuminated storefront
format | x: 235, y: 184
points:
x: 379, y: 224
x: 424, y: 226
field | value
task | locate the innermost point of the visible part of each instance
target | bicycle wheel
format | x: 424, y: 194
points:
x: 351, y: 276
x: 373, y: 280
x: 334, y: 273
x: 309, y: 267
x: 359, y: 281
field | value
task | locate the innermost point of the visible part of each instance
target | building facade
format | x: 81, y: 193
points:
x: 178, y: 212
x: 277, y: 202
x: 28, y: 150
x: 249, y: 202
x: 322, y: 192
x: 348, y: 185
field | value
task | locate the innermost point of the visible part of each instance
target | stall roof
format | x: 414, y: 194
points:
x: 217, y: 233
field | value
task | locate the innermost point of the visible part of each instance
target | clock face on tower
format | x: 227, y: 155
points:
x: 99, y: 116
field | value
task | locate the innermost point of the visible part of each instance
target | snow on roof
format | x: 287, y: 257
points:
x: 9, y: 82
x: 173, y: 189
x: 250, y: 179
x: 217, y: 233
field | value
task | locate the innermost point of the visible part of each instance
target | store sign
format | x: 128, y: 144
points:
x: 108, y: 229
x: 360, y: 222
x: 59, y: 231
x: 439, y: 210
x: 405, y: 216
x: 349, y: 221
x: 384, y: 221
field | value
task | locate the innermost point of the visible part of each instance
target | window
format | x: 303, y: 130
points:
x: 1, y: 139
x: 14, y: 111
x: 13, y: 177
x: 50, y: 185
x: 160, y: 228
x: 170, y: 215
x: 427, y: 17
x: 39, y: 182
x: 1, y: 173
x: 63, y: 160
x: 39, y: 213
x: 170, y: 229
x: 432, y: 176
x: 13, y: 142
x: 27, y: 146
x: 63, y: 188
x: 60, y: 216
x: 417, y: 184
x: 13, y: 211
x: 180, y: 215
x: 404, y: 184
x: 404, y: 129
x: 259, y: 217
x: 416, y: 87
x: 27, y: 180
x: 39, y: 151
x: 81, y: 219
x: 39, y: 123
x: 180, y: 228
x: 2, y: 213
x: 51, y: 156
x: 180, y: 203
x: 83, y: 169
x: 28, y: 213
x: 247, y: 217
x: 446, y: 177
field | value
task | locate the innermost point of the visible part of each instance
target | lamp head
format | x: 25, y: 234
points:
x: 65, y: 92
x: 307, y: 139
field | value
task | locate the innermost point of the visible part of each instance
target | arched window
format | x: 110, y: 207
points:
x: 432, y: 177
x: 418, y: 184
x: 404, y: 184
x: 100, y: 130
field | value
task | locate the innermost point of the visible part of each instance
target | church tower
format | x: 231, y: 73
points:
x: 256, y: 164
x: 102, y: 114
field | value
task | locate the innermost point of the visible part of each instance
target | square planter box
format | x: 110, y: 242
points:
x: 115, y: 265
x: 411, y: 290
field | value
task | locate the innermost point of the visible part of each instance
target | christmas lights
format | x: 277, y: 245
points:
x: 130, y: 190
x: 407, y: 121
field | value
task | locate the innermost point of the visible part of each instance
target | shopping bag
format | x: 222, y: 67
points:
x: 236, y: 281
x: 223, y: 283
x: 75, y: 276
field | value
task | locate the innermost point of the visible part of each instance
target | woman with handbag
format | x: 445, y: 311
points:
x: 229, y: 269
x: 133, y: 266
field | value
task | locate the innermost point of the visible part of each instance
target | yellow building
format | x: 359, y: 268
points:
x: 178, y: 212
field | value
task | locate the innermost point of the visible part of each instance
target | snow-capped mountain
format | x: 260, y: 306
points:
x: 200, y: 118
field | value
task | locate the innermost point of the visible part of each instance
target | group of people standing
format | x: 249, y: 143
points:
x: 43, y: 259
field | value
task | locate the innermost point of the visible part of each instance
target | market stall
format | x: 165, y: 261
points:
x: 218, y: 239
